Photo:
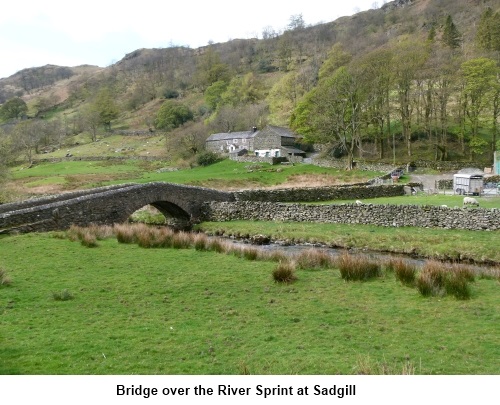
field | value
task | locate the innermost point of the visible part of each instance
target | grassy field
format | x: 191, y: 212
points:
x: 490, y: 201
x: 442, y: 244
x: 181, y: 311
x: 226, y: 174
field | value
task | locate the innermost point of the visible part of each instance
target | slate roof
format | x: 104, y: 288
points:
x: 231, y: 135
x: 284, y: 132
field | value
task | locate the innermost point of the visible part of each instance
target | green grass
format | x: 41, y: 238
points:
x: 172, y: 311
x: 423, y: 199
x: 224, y: 174
x: 443, y: 244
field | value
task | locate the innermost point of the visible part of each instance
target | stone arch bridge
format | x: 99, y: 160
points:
x: 107, y: 206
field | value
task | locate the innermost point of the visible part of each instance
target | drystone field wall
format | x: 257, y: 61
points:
x: 348, y: 192
x: 368, y: 214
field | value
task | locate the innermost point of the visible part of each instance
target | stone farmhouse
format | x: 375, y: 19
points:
x: 270, y: 141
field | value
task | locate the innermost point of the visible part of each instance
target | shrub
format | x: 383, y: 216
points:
x: 284, y: 273
x: 357, y: 268
x: 207, y: 158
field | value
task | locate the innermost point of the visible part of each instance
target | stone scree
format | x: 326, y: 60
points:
x: 369, y: 214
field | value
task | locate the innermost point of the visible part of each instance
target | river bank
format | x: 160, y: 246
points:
x: 467, y: 247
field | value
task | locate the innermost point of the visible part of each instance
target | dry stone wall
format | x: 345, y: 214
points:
x: 347, y: 192
x: 380, y: 215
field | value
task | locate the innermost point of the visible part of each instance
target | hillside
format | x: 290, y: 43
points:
x: 422, y: 111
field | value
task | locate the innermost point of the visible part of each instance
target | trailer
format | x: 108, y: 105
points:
x: 468, y: 184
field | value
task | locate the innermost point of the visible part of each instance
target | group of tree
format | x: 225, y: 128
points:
x: 406, y: 88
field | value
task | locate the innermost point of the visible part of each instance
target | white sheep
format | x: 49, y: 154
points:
x: 358, y: 202
x: 444, y: 206
x: 470, y: 201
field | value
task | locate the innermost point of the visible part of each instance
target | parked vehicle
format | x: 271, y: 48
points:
x: 468, y: 184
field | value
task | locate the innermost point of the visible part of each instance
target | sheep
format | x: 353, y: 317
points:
x: 358, y: 202
x: 470, y: 201
x: 444, y: 206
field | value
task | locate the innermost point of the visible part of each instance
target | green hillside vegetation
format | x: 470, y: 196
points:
x: 411, y: 79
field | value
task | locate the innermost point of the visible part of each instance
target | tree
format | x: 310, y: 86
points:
x: 27, y: 136
x: 13, y: 108
x: 451, y: 36
x: 409, y: 57
x: 91, y: 120
x: 479, y: 77
x: 213, y: 94
x: 171, y: 115
x: 243, y: 90
x: 375, y: 72
x: 105, y: 105
x: 210, y: 69
x: 296, y: 22
x: 488, y: 31
x: 331, y: 113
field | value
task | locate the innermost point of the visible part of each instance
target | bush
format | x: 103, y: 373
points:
x: 207, y: 158
x: 357, y: 268
x: 284, y: 273
x: 171, y: 93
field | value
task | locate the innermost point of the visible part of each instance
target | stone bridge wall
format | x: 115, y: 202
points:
x: 380, y: 215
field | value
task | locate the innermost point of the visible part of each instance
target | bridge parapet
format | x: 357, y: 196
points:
x: 107, y: 206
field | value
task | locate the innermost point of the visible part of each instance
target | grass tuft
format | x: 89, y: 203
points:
x: 403, y: 270
x: 63, y: 295
x: 357, y: 268
x: 314, y: 259
x: 284, y: 273
x: 4, y: 278
x: 439, y: 279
